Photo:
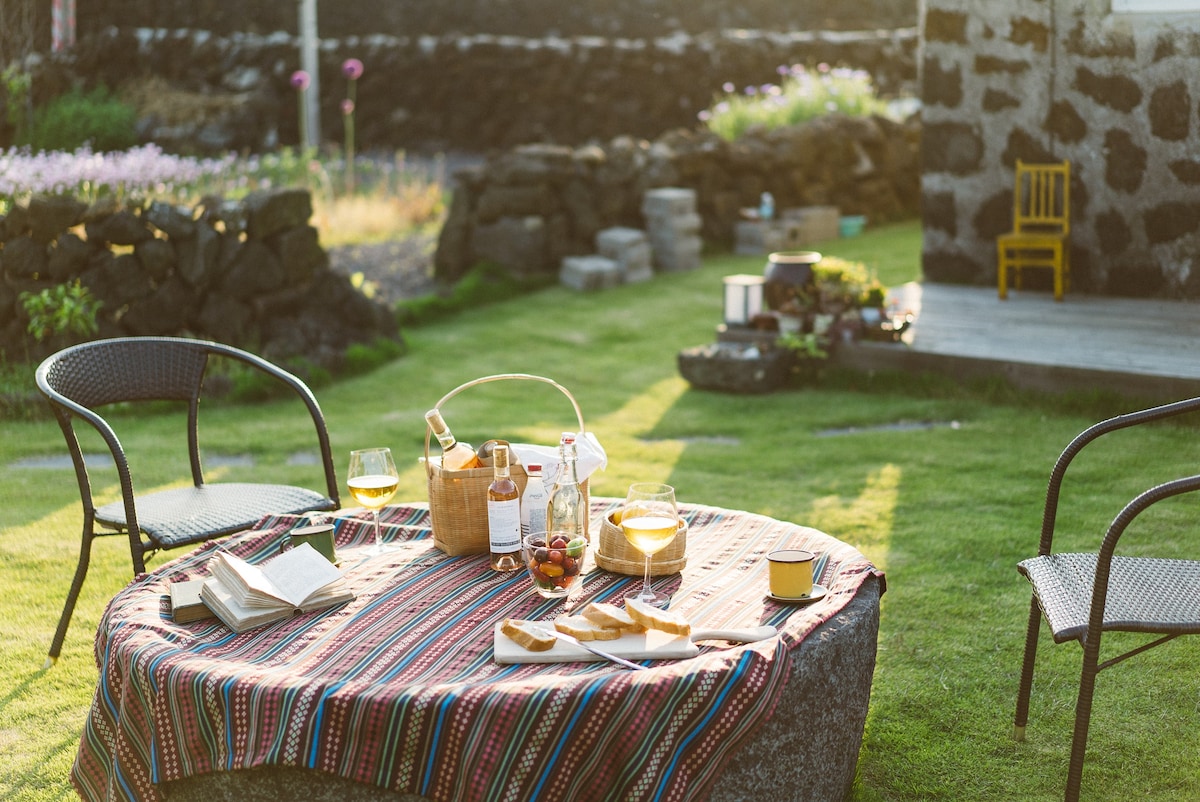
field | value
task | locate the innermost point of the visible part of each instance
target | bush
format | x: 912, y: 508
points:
x: 800, y: 96
x: 76, y: 119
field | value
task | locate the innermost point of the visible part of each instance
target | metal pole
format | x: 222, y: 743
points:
x: 62, y: 24
x: 309, y: 44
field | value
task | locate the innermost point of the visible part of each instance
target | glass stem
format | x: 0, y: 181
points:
x: 378, y: 539
x: 646, y: 591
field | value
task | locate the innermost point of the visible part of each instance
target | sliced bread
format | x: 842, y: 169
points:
x: 584, y: 628
x: 529, y: 634
x: 612, y: 617
x: 654, y: 618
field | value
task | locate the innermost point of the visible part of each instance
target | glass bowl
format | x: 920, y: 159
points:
x: 554, y: 562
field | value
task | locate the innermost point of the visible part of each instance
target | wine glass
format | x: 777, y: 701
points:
x: 650, y: 519
x: 373, y: 480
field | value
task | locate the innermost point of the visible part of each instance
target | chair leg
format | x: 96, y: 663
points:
x: 60, y: 634
x: 1059, y: 269
x: 1083, y: 715
x: 1001, y: 272
x: 1031, y: 639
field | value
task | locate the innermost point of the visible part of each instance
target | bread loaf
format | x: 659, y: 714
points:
x: 654, y: 618
x: 529, y: 634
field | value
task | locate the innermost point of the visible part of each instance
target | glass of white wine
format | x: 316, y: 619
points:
x: 373, y: 480
x: 650, y: 519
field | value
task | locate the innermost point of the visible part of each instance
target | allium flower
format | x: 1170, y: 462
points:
x: 728, y: 87
x: 347, y: 107
x: 300, y: 80
x: 352, y: 68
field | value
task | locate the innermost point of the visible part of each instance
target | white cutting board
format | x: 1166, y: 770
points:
x: 649, y: 645
x: 652, y: 644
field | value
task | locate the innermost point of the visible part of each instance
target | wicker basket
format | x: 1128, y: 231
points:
x: 615, y: 554
x: 458, y: 499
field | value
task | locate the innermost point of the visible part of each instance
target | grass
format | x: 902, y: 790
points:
x: 946, y: 510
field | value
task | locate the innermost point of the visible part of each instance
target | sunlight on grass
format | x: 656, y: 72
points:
x: 867, y: 520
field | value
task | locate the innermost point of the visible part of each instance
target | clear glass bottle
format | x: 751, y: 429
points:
x: 456, y: 456
x: 504, y: 515
x: 567, y: 511
x: 534, y: 501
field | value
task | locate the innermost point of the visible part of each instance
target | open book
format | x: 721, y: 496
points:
x: 246, y: 596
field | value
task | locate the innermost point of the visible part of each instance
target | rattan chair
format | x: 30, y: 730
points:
x: 82, y: 378
x: 1083, y: 595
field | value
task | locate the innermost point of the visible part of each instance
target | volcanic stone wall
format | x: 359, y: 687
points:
x: 468, y: 92
x: 524, y: 18
x: 248, y: 273
x: 1045, y: 80
x: 529, y: 207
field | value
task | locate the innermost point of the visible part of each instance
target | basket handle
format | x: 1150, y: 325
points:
x: 499, y: 377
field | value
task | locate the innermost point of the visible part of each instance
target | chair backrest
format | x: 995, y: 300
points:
x: 1042, y: 198
x: 83, y: 377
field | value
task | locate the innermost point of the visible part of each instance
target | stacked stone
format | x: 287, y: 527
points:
x: 673, y: 227
x: 588, y: 273
x: 630, y: 249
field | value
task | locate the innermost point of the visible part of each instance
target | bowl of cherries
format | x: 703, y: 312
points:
x: 554, y: 562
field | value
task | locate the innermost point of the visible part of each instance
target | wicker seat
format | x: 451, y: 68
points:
x: 82, y: 378
x: 1083, y: 595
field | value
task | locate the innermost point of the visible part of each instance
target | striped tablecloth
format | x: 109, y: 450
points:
x: 399, y: 688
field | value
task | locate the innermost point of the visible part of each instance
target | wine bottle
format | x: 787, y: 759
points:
x: 456, y: 456
x: 567, y: 512
x: 534, y: 501
x: 504, y: 515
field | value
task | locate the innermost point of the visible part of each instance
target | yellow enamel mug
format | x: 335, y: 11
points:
x: 791, y: 573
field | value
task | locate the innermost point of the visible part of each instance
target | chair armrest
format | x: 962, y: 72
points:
x: 1090, y: 435
x: 1108, y: 547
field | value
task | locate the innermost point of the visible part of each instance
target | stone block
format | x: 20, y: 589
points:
x: 683, y: 254
x: 814, y: 223
x: 612, y: 242
x: 588, y: 273
x: 668, y: 202
x: 753, y: 237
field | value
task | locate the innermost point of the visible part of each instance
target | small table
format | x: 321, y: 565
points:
x: 397, y: 692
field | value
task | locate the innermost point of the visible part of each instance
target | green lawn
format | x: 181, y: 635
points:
x: 945, y: 509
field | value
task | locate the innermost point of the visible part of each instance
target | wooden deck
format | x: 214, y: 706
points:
x: 1146, y: 349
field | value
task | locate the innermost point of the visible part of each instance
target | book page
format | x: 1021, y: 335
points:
x: 299, y: 573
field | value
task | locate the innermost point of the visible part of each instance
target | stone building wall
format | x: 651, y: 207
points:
x: 1044, y: 80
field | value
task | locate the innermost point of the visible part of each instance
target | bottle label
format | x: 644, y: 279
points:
x: 533, y: 507
x: 504, y: 526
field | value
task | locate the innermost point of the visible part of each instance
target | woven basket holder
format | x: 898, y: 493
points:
x: 617, y: 555
x: 458, y: 499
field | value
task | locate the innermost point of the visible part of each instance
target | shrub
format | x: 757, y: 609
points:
x: 66, y: 309
x: 76, y: 119
x: 801, y: 95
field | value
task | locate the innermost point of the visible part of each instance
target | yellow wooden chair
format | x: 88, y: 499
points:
x: 1041, y: 225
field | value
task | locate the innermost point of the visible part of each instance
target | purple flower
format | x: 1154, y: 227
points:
x: 300, y: 80
x: 347, y: 107
x: 728, y: 87
x: 352, y: 68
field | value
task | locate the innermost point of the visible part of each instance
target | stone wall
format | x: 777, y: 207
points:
x: 451, y: 92
x: 529, y: 207
x: 1044, y: 80
x: 250, y: 273
x: 525, y: 18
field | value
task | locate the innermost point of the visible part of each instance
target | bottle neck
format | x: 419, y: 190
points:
x: 500, y: 462
x: 446, y: 439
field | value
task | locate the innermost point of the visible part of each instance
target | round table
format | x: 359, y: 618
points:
x: 395, y: 695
